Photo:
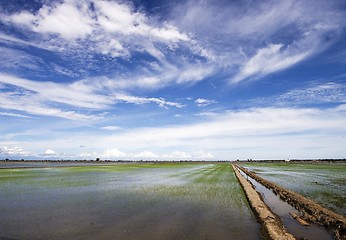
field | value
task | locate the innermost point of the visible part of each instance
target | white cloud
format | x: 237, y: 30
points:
x: 242, y: 40
x: 119, y: 18
x: 116, y: 154
x: 183, y: 72
x: 113, y: 28
x: 14, y: 115
x: 113, y: 153
x: 177, y: 155
x: 49, y: 152
x: 14, y: 40
x: 146, y: 155
x: 323, y: 93
x: 12, y: 151
x: 111, y: 128
x: 206, y: 114
x: 191, y: 73
x: 116, y: 17
x: 250, y: 40
x: 202, y: 155
x: 68, y: 19
x: 202, y: 102
x: 199, y: 40
x: 16, y: 60
x: 30, y: 104
x: 242, y: 130
x: 116, y: 30
x: 88, y: 155
x: 35, y: 97
x: 142, y: 100
x: 329, y: 92
x: 260, y: 132
x: 75, y: 94
x: 180, y: 155
x: 268, y: 60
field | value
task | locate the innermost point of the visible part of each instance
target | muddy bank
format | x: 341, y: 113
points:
x: 272, y: 225
x: 310, y: 211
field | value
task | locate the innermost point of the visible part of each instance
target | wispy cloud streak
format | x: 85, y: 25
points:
x: 251, y: 40
x: 36, y: 97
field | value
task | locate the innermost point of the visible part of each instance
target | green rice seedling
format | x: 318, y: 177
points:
x: 323, y: 183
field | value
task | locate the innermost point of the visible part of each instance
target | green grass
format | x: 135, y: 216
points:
x: 74, y: 175
x: 129, y: 201
x: 204, y: 180
x: 216, y: 185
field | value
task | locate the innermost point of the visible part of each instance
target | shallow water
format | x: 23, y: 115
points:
x: 323, y: 183
x: 38, y: 164
x: 283, y: 210
x: 124, y: 202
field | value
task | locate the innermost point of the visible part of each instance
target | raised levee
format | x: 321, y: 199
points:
x: 311, y: 211
x: 271, y: 223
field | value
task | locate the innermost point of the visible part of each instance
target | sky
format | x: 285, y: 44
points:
x: 172, y: 80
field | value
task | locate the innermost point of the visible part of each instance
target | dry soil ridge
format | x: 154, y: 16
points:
x: 271, y: 223
x: 310, y: 210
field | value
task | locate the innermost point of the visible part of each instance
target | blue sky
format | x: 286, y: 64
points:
x: 172, y: 80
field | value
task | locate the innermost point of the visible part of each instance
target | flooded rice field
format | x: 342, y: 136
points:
x: 322, y: 183
x: 125, y: 201
x: 284, y: 211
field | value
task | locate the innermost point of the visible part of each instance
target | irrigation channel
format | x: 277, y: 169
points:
x: 291, y: 218
x: 43, y: 200
x: 322, y: 182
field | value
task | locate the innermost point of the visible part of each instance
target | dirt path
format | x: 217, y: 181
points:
x: 311, y: 211
x: 271, y: 223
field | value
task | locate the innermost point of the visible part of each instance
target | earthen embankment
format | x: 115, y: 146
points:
x: 271, y: 223
x: 310, y: 211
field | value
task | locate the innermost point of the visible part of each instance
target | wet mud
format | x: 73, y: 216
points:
x: 272, y: 226
x: 310, y: 211
x: 289, y: 216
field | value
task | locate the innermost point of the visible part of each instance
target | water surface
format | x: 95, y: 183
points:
x: 125, y: 201
x: 283, y: 210
x: 322, y: 183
